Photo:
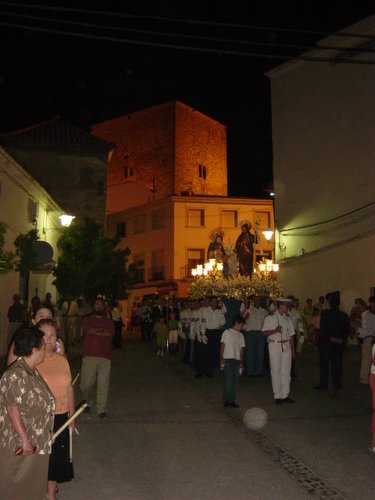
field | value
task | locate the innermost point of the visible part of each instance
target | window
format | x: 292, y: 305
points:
x: 229, y: 218
x: 264, y: 219
x: 195, y: 256
x: 32, y: 211
x: 195, y: 217
x: 139, y: 223
x: 139, y: 273
x: 158, y: 219
x: 121, y: 229
x: 202, y: 171
x: 128, y: 170
x: 157, y: 271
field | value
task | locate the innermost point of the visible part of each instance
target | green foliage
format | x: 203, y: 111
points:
x: 6, y: 258
x: 90, y: 264
x: 25, y: 255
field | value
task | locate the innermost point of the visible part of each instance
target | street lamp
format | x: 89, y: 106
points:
x: 66, y: 220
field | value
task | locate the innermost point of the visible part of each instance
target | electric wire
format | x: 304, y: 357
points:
x: 186, y: 47
x: 188, y: 36
x: 334, y: 224
x: 186, y: 21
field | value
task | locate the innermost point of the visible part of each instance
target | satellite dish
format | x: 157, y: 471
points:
x: 43, y: 253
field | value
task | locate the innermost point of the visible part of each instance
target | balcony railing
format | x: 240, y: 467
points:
x: 139, y: 276
x: 156, y: 273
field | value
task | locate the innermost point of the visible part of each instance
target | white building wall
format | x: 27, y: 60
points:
x: 323, y: 121
x: 16, y: 188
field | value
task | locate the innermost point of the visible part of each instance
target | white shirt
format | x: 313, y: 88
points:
x: 277, y: 319
x: 296, y: 320
x: 255, y: 319
x: 233, y: 343
x: 212, y: 319
x: 368, y: 325
x: 372, y: 371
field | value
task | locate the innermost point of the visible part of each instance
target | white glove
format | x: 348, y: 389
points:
x: 204, y: 338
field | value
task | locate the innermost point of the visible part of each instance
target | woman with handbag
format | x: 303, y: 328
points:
x: 26, y: 421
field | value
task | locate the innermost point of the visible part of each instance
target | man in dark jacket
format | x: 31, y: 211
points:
x: 334, y: 331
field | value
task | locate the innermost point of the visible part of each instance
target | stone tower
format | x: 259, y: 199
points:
x: 168, y: 149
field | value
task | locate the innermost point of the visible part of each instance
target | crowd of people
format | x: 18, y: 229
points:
x: 250, y: 338
x: 273, y: 332
x: 37, y: 395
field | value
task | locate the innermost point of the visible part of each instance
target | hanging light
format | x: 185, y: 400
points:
x: 268, y: 233
x: 66, y: 220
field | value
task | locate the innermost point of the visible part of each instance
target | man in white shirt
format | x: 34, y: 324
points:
x: 279, y: 331
x: 255, y: 341
x: 212, y: 323
x: 231, y: 358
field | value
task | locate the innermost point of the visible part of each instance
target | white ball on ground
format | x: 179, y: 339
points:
x: 255, y: 418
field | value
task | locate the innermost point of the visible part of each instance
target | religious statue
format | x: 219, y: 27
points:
x: 244, y: 249
x: 216, y: 249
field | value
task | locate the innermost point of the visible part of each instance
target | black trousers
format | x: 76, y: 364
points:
x: 330, y: 358
x: 117, y: 337
x: 213, y: 345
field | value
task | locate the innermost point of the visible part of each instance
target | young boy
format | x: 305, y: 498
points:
x: 231, y: 357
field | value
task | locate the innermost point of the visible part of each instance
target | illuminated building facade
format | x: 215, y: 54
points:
x: 323, y: 124
x: 167, y: 190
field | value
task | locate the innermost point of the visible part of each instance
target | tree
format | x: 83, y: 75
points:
x: 90, y: 264
x: 25, y: 255
x: 25, y: 258
x: 6, y: 258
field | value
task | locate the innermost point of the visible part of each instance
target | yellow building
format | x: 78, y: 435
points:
x: 169, y: 237
x: 167, y: 190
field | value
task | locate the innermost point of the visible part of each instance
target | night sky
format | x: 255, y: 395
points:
x: 85, y: 80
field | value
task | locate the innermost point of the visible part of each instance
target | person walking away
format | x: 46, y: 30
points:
x: 98, y: 331
x: 366, y: 338
x: 334, y: 331
x: 279, y: 331
x: 231, y: 358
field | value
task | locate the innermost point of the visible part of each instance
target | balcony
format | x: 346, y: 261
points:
x: 185, y: 271
x: 139, y: 276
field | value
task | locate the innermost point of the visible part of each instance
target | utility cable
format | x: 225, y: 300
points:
x: 186, y: 47
x: 186, y: 21
x: 190, y: 37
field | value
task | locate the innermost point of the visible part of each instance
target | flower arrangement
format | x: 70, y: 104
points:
x: 237, y: 287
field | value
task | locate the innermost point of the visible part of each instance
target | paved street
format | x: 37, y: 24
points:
x: 168, y: 436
